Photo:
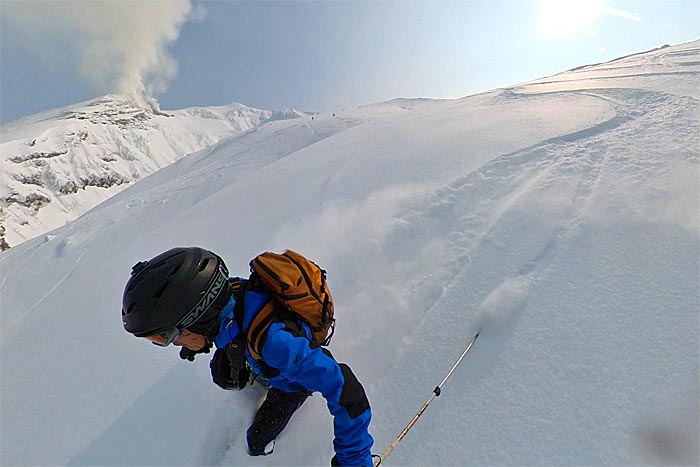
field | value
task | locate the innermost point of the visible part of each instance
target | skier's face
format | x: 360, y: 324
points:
x: 186, y: 339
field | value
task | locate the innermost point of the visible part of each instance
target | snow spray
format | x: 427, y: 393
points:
x: 502, y: 304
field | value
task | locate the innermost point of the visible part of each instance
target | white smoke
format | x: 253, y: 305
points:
x: 121, y: 45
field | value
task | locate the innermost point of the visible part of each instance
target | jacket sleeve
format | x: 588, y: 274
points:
x: 317, y: 370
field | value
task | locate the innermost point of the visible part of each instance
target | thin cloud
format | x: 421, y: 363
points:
x: 619, y: 13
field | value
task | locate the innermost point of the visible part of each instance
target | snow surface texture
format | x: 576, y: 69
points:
x: 559, y: 217
x: 59, y: 164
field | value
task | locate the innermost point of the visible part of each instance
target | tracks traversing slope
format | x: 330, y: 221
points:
x: 553, y: 180
x: 503, y: 227
x: 503, y: 224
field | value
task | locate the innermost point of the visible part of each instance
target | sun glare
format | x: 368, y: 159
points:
x: 561, y: 18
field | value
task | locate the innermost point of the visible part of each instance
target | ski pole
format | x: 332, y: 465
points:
x: 436, y: 392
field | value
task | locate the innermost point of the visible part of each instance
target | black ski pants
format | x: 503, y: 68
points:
x: 271, y: 418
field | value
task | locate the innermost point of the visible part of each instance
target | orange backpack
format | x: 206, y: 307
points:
x: 298, y: 285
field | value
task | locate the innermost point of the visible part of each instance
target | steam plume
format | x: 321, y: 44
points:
x: 121, y: 45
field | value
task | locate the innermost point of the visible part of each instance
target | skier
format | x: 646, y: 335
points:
x: 185, y: 297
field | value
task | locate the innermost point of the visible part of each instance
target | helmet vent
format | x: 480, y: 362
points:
x: 160, y: 291
x: 174, y: 271
x: 203, y: 266
x: 134, y: 282
x: 130, y: 309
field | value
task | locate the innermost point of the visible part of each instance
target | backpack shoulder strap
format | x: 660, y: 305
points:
x: 271, y: 312
x: 240, y: 286
x: 258, y: 327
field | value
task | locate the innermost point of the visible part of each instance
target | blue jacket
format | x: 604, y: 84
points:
x: 306, y: 366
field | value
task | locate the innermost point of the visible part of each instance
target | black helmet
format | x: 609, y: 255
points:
x: 174, y: 289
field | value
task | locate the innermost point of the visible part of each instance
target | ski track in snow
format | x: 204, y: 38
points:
x: 476, y: 202
x: 466, y: 212
x: 23, y: 316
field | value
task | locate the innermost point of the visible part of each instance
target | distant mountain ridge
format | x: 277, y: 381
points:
x: 60, y: 163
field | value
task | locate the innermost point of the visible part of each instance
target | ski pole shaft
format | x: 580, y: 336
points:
x: 436, y: 392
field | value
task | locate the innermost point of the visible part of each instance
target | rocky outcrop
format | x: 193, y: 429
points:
x: 37, y: 155
x: 32, y: 200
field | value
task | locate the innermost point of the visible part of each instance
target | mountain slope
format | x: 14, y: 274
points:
x: 559, y: 217
x: 61, y: 163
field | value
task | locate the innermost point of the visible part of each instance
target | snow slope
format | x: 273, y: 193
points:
x: 59, y: 164
x: 559, y: 217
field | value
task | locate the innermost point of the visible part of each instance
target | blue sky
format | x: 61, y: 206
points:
x: 315, y: 56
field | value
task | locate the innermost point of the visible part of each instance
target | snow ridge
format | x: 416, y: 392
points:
x: 61, y: 163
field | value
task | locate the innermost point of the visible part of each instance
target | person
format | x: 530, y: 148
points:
x: 185, y: 297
